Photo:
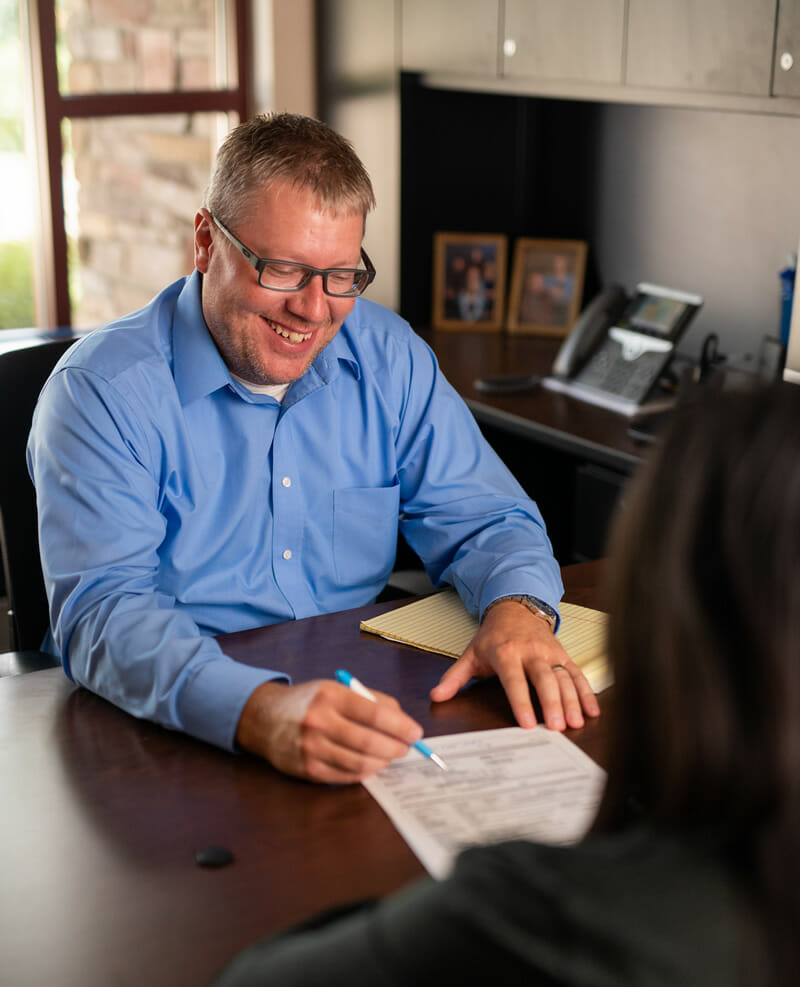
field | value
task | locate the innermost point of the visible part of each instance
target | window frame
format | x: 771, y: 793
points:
x: 51, y: 108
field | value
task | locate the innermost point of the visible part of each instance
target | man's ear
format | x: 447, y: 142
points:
x: 203, y: 240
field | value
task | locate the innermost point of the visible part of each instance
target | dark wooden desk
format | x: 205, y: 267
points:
x: 572, y: 457
x: 102, y: 815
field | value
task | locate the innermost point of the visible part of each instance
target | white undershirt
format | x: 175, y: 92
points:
x: 277, y: 391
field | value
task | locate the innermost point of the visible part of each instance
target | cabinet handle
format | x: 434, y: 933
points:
x: 786, y: 61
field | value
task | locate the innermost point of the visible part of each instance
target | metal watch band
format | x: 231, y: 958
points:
x: 535, y: 605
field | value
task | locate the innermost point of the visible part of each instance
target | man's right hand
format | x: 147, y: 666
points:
x: 323, y: 731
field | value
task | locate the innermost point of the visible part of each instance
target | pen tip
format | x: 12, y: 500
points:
x: 437, y: 760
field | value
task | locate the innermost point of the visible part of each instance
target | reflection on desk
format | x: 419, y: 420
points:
x: 103, y: 815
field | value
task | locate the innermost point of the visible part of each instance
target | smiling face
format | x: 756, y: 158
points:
x: 272, y: 337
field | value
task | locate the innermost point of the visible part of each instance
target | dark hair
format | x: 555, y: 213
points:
x: 704, y: 638
x: 287, y: 147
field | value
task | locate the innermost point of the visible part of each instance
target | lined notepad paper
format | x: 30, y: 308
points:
x: 441, y: 623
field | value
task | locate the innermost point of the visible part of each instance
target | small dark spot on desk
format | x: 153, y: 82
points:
x: 214, y: 856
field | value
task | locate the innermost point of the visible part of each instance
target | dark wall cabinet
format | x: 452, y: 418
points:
x: 488, y: 163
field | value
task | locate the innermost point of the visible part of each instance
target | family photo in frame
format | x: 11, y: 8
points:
x: 546, y: 286
x: 469, y: 281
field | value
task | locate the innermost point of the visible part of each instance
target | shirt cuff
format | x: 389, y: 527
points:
x: 210, y: 704
x: 509, y: 584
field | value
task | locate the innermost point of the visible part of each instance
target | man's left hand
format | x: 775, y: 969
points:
x: 521, y: 649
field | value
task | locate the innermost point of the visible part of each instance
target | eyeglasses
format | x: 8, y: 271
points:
x: 284, y: 275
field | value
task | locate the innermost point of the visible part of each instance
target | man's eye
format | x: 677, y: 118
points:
x: 281, y: 271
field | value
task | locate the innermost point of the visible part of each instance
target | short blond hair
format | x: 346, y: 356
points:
x: 285, y: 147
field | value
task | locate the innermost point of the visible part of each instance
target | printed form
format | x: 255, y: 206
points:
x: 501, y: 785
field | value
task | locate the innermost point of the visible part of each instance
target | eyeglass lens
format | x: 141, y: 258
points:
x: 291, y: 277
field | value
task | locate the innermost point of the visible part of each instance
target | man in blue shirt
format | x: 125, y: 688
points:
x: 241, y: 451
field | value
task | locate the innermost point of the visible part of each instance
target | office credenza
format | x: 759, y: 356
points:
x: 102, y: 816
x: 572, y: 457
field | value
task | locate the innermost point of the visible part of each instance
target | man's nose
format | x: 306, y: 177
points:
x: 310, y: 302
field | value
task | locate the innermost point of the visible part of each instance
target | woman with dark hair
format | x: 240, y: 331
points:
x: 690, y: 874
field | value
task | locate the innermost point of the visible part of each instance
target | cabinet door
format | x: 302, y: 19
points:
x: 718, y: 46
x: 786, y: 77
x: 450, y: 36
x: 574, y: 40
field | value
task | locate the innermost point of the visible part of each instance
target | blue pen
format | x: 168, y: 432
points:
x: 352, y: 683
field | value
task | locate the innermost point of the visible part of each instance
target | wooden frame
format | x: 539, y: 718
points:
x: 52, y: 108
x: 546, y: 286
x: 469, y: 281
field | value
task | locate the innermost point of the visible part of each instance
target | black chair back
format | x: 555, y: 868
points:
x: 22, y: 375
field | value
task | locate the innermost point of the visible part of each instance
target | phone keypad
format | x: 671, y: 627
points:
x: 609, y: 371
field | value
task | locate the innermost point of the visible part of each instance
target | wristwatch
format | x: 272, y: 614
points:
x: 534, y: 604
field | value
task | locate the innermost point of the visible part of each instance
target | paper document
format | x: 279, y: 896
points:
x: 501, y: 785
x: 442, y: 623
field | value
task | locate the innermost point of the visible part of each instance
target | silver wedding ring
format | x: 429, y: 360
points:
x: 556, y: 668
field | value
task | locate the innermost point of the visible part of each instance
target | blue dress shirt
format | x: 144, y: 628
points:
x: 175, y: 504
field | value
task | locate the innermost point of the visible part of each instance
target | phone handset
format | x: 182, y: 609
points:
x: 592, y: 325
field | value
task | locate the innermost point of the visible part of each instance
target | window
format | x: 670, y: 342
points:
x: 130, y: 99
x: 17, y: 192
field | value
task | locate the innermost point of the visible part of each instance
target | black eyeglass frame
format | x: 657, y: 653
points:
x: 259, y: 263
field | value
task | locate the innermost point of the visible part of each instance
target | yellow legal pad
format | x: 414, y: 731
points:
x: 441, y: 623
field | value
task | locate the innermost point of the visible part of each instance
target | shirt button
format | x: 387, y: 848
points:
x: 287, y: 554
x: 287, y: 481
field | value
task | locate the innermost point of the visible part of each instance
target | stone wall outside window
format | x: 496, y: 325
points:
x: 133, y: 184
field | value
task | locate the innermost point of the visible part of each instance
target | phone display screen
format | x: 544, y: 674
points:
x: 661, y: 312
x: 654, y: 314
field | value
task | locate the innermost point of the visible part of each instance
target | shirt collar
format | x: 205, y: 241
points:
x: 325, y: 368
x: 199, y: 370
x: 341, y: 348
x: 197, y: 366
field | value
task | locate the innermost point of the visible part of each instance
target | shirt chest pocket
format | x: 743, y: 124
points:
x: 365, y: 533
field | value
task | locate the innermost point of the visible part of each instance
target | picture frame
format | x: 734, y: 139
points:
x: 546, y: 286
x: 469, y: 281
